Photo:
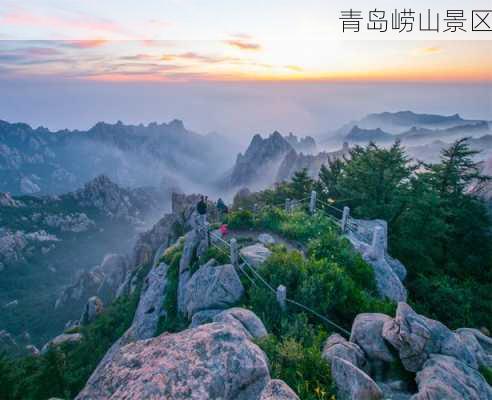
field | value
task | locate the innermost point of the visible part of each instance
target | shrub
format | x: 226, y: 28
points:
x: 301, y: 367
x: 242, y: 219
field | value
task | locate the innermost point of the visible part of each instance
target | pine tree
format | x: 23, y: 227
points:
x: 301, y: 185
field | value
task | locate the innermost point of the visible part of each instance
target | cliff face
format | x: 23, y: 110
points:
x: 294, y: 162
x: 258, y: 165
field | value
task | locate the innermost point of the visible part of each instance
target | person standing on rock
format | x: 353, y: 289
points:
x: 201, y: 208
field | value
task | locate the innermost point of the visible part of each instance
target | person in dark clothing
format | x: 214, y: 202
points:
x: 221, y: 206
x: 201, y: 207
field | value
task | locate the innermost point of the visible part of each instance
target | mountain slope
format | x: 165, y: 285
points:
x: 46, y: 242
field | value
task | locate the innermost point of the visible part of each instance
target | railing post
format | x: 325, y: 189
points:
x: 282, y: 296
x: 287, y: 205
x: 234, y: 252
x: 312, y: 202
x: 377, y: 247
x: 345, y: 217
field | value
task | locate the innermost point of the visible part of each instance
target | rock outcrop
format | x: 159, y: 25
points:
x: 255, y: 254
x: 416, y: 338
x: 337, y: 346
x: 445, y: 377
x: 63, y: 339
x: 93, y: 308
x: 446, y: 363
x: 353, y: 383
x: 243, y: 319
x: 388, y: 272
x: 209, y: 362
x: 367, y: 332
x: 257, y: 167
x: 212, y: 288
x: 278, y: 390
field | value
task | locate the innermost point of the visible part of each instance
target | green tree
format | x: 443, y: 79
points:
x: 327, y: 185
x: 376, y: 181
x: 302, y: 184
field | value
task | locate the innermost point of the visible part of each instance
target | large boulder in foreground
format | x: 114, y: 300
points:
x: 213, y: 361
x: 445, y: 377
x: 417, y: 337
x: 353, y: 383
x: 367, y: 332
x: 212, y: 288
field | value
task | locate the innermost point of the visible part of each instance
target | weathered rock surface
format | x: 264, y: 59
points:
x: 337, y: 346
x: 445, y: 377
x: 212, y: 288
x: 192, y: 240
x: 213, y: 361
x: 243, y: 319
x: 149, y: 308
x: 146, y: 318
x: 478, y: 344
x: 417, y: 337
x: 255, y: 254
x: 367, y: 332
x: 203, y: 317
x: 278, y: 390
x: 353, y: 383
x: 266, y: 239
x: 92, y: 309
x: 388, y: 272
x: 64, y: 338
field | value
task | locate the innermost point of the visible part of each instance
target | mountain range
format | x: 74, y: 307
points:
x: 39, y: 161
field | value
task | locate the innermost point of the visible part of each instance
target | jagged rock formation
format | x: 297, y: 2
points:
x: 357, y: 135
x: 257, y: 167
x: 447, y: 363
x: 303, y: 145
x: 294, y: 162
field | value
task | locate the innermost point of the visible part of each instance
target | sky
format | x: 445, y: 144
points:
x: 234, y: 67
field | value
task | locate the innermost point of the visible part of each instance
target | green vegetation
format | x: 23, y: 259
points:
x: 172, y: 321
x: 63, y: 372
x: 487, y: 374
x: 437, y: 229
x: 331, y: 278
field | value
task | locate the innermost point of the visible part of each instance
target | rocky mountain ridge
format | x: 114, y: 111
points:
x: 46, y: 162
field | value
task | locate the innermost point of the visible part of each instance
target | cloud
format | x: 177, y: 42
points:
x: 428, y: 50
x: 29, y: 55
x: 244, y: 45
x: 85, y: 44
x: 294, y: 68
x: 201, y: 58
x: 85, y: 23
